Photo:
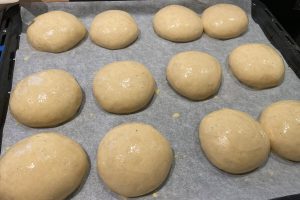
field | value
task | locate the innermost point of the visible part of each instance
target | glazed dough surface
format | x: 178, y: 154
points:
x: 123, y: 87
x: 233, y: 141
x: 257, y: 65
x: 45, y: 166
x: 195, y: 75
x: 114, y: 29
x: 224, y: 21
x: 178, y: 24
x: 281, y: 121
x: 134, y: 159
x: 55, y: 32
x: 45, y: 99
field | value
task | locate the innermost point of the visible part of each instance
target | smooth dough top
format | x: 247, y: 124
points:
x: 114, y: 29
x: 55, y: 32
x: 178, y: 24
x: 257, y: 65
x: 134, y: 159
x: 46, y: 98
x: 233, y: 141
x: 195, y: 75
x: 43, y: 166
x: 224, y: 21
x: 123, y: 87
x: 281, y: 121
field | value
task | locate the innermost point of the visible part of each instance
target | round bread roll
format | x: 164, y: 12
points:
x: 281, y: 121
x: 178, y: 24
x: 194, y: 74
x: 257, y: 65
x: 114, y: 29
x: 123, y: 87
x: 44, y: 166
x: 224, y: 21
x: 55, y: 32
x: 134, y: 159
x: 45, y: 99
x: 233, y: 141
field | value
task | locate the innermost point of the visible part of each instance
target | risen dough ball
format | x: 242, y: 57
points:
x: 177, y: 23
x: 257, y: 65
x: 123, y: 87
x: 46, y: 98
x: 134, y: 159
x: 114, y: 29
x: 44, y: 166
x: 233, y: 141
x: 224, y: 21
x: 55, y: 32
x: 195, y: 75
x: 281, y: 121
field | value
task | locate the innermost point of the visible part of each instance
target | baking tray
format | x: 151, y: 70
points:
x: 10, y: 29
x: 277, y: 35
x: 192, y: 176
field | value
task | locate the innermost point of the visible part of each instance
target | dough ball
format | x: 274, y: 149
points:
x: 178, y: 24
x: 55, y: 32
x: 44, y: 166
x: 224, y: 21
x: 114, y: 29
x: 233, y: 141
x: 134, y: 159
x: 194, y: 74
x: 123, y: 87
x: 45, y: 99
x: 281, y: 121
x: 257, y: 65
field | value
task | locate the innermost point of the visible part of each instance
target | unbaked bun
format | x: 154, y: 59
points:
x: 177, y: 23
x: 233, y: 141
x: 134, y: 159
x: 43, y: 166
x: 123, y: 87
x: 281, y: 121
x: 55, y: 31
x: 257, y: 65
x: 224, y: 21
x: 46, y: 99
x: 194, y: 74
x: 114, y: 29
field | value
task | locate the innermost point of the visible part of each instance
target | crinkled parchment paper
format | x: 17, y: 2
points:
x: 192, y: 176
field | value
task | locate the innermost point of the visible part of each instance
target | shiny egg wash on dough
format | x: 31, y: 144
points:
x: 46, y: 98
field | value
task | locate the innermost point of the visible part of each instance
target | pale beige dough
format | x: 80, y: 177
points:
x: 114, y: 29
x: 233, y: 141
x: 224, y: 21
x: 194, y: 74
x: 123, y: 87
x: 55, y: 31
x: 134, y: 159
x: 45, y: 99
x: 257, y: 65
x: 46, y: 166
x: 178, y: 24
x: 281, y: 121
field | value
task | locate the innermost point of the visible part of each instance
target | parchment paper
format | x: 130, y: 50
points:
x: 192, y: 176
